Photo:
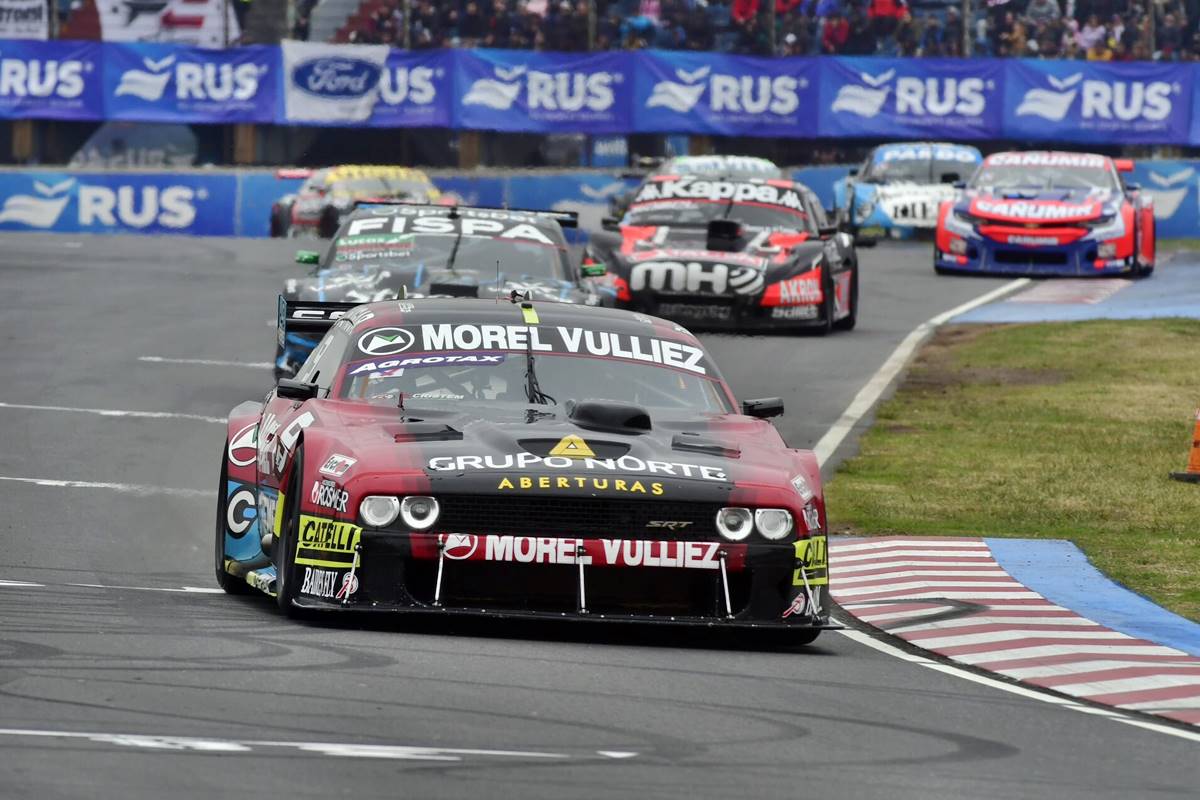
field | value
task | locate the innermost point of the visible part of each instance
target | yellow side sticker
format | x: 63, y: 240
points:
x: 280, y: 502
x: 573, y: 446
x: 812, y: 560
x: 530, y: 315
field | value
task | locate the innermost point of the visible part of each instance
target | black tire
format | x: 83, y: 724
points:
x: 331, y: 220
x: 283, y: 553
x: 827, y: 305
x: 230, y: 583
x: 848, y: 323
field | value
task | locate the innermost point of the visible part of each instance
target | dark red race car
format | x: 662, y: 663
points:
x: 519, y: 459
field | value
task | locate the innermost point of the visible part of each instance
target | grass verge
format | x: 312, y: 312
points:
x: 1060, y: 431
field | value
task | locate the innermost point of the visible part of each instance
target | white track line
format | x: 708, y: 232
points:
x: 206, y: 362
x: 127, y: 488
x: 869, y: 395
x: 113, y: 412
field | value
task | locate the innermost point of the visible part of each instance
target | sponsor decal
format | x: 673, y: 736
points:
x: 427, y: 361
x: 801, y: 290
x: 364, y: 248
x: 1032, y: 241
x: 320, y: 537
x: 262, y: 580
x: 593, y: 483
x: 928, y: 96
x: 327, y: 494
x: 812, y: 518
x: 337, y: 465
x: 274, y: 455
x: 696, y: 312
x: 727, y: 94
x: 139, y: 204
x: 591, y: 552
x: 572, y: 446
x: 626, y: 464
x: 798, y: 606
x: 385, y: 341
x: 349, y: 586
x: 243, y: 447
x: 795, y: 312
x: 473, y: 226
x: 1083, y: 160
x: 666, y: 524
x: 319, y: 582
x: 694, y: 276
x: 692, y: 188
x: 563, y: 91
x: 241, y: 512
x: 811, y: 556
x: 1033, y: 210
x: 203, y: 82
x: 924, y: 152
x: 268, y: 508
x: 1118, y: 102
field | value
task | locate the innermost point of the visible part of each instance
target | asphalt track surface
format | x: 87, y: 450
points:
x: 246, y: 703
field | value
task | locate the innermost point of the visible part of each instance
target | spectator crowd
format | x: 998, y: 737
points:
x: 1098, y: 30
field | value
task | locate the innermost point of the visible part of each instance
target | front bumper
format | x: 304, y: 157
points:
x: 761, y: 585
x: 987, y: 256
x: 726, y: 312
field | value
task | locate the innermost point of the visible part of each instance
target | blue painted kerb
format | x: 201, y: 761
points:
x: 1060, y: 572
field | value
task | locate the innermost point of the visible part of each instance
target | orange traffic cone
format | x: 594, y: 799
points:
x: 1192, y: 473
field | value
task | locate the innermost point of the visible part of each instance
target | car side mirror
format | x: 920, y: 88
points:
x: 610, y: 223
x: 763, y: 408
x: 292, y: 389
x: 852, y: 172
x: 951, y: 177
x: 307, y: 256
x: 593, y: 270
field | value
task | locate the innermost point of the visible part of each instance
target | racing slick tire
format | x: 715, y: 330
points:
x: 230, y: 583
x: 827, y: 304
x: 848, y: 323
x: 331, y: 220
x: 284, y: 551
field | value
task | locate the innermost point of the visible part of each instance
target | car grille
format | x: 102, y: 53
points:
x: 577, y: 516
x: 1029, y: 257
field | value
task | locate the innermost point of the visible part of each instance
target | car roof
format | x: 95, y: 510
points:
x: 1066, y: 154
x: 348, y: 172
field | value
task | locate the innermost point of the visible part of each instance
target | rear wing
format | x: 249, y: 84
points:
x: 565, y: 219
x: 309, y: 316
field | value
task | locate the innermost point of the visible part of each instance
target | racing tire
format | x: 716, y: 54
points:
x: 230, y: 583
x: 328, y: 226
x: 284, y: 551
x: 827, y: 305
x: 848, y: 323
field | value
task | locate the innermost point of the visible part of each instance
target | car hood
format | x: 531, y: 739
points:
x: 1038, y: 207
x: 488, y: 449
x: 370, y: 285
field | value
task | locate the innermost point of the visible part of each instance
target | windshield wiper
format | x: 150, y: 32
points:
x: 533, y: 392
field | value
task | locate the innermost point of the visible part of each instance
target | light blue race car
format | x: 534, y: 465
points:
x: 896, y: 191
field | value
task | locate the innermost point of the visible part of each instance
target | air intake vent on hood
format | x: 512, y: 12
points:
x: 603, y: 415
x: 426, y: 432
x: 695, y: 443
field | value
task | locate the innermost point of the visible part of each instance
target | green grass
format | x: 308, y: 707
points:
x: 1061, y: 431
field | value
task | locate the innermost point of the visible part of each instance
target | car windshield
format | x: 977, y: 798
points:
x: 503, y: 377
x: 380, y: 185
x: 1029, y: 176
x: 699, y: 212
x: 428, y: 253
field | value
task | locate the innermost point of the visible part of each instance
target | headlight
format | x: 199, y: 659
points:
x: 379, y: 511
x: 800, y: 484
x: 418, y: 512
x: 865, y: 208
x: 773, y: 523
x: 735, y: 524
x: 958, y: 246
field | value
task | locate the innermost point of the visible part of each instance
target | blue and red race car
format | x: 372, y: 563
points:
x: 1047, y: 213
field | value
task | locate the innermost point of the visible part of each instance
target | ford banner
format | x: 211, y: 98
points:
x: 902, y: 98
x: 50, y: 80
x: 725, y: 95
x: 86, y: 202
x: 507, y: 90
x: 1076, y: 101
x: 415, y: 90
x: 168, y: 83
x: 330, y: 84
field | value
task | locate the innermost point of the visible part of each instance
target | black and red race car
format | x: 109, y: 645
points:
x: 723, y: 254
x: 519, y: 459
x: 1047, y: 213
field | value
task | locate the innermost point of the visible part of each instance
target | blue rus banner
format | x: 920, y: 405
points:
x: 51, y: 80
x: 506, y: 90
x: 907, y: 98
x: 416, y: 90
x: 169, y: 83
x: 87, y: 202
x: 725, y: 95
x: 1086, y: 102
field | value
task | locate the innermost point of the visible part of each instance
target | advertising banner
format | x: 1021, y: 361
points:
x: 509, y: 90
x: 330, y: 84
x: 911, y: 98
x: 725, y: 95
x: 1076, y: 101
x: 51, y: 80
x: 204, y: 23
x: 24, y: 19
x: 168, y: 83
x: 416, y: 90
x: 80, y: 202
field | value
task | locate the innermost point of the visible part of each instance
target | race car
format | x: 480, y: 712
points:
x: 1047, y: 213
x: 519, y: 459
x: 713, y: 166
x: 392, y: 251
x: 730, y: 254
x: 897, y: 190
x: 326, y: 195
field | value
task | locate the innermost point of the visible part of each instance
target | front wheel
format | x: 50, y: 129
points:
x: 284, y: 551
x: 231, y: 584
x: 847, y: 323
x: 827, y: 303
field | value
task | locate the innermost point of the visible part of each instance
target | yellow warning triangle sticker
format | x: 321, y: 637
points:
x: 572, y: 447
